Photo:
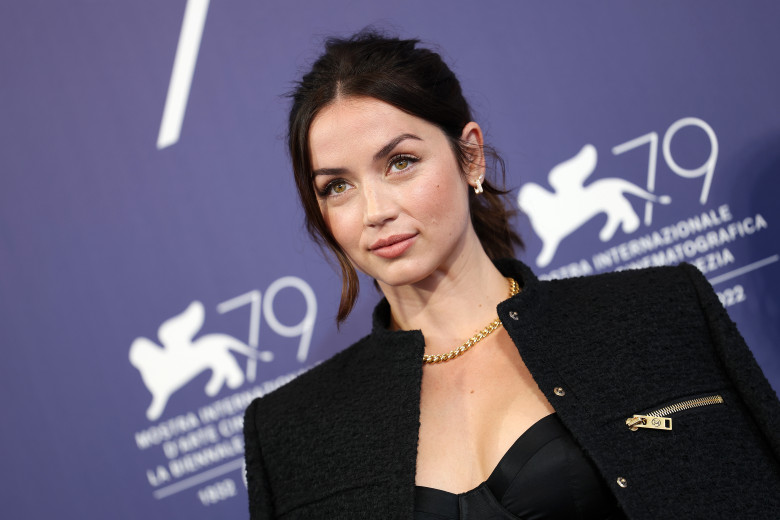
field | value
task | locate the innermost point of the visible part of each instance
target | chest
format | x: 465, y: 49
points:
x: 471, y: 413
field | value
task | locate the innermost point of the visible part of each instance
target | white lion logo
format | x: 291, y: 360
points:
x: 555, y: 215
x: 166, y: 369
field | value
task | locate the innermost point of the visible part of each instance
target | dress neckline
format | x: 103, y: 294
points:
x: 543, y: 431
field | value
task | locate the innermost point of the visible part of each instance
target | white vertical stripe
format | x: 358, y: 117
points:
x: 183, y: 70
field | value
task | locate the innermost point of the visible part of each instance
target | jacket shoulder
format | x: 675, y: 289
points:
x: 364, y: 400
x: 610, y: 329
x: 659, y: 279
x: 645, y: 297
x: 320, y: 383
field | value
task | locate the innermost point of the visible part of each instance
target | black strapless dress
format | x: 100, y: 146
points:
x: 544, y: 476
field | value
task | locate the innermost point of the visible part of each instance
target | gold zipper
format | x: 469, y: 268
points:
x: 657, y: 419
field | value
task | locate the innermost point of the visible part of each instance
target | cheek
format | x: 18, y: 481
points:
x: 439, y: 202
x: 343, y: 226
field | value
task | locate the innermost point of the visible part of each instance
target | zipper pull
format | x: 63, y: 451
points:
x: 649, y: 421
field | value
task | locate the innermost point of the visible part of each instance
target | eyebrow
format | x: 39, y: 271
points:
x: 386, y: 149
x: 381, y: 154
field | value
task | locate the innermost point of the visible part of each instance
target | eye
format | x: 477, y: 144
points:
x: 400, y: 163
x: 333, y: 188
x: 338, y: 187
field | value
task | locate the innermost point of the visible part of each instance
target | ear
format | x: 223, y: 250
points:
x: 475, y: 153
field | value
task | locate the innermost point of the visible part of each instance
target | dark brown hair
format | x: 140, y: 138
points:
x: 414, y: 80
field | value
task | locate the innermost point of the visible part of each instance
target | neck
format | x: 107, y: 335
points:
x: 451, y: 304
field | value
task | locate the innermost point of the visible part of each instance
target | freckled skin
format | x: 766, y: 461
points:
x: 428, y: 198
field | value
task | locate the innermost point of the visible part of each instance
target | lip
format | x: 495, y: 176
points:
x: 393, y: 246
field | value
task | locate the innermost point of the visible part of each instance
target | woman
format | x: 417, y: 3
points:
x: 626, y: 395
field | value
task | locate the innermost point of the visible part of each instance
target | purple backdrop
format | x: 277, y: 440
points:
x: 155, y: 275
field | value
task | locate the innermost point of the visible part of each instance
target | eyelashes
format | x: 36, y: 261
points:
x: 405, y: 159
x: 332, y: 188
x: 397, y: 164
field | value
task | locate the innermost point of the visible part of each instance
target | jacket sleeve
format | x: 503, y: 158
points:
x: 741, y: 366
x: 260, y: 503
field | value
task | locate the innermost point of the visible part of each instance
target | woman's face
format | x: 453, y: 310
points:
x: 390, y: 189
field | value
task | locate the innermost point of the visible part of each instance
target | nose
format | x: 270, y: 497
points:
x: 379, y: 205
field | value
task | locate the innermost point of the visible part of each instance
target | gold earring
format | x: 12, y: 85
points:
x: 478, y: 188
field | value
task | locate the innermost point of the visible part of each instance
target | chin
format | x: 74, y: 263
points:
x: 400, y: 273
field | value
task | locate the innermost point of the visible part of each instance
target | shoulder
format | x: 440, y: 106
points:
x: 604, y: 329
x: 636, y: 279
x: 625, y: 341
x: 357, y: 410
x: 317, y: 386
x: 371, y: 370
x: 657, y: 306
x: 615, y: 306
x: 664, y: 288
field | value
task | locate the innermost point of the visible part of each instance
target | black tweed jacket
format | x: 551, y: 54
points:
x: 341, y: 440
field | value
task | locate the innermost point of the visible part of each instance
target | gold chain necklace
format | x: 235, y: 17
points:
x: 476, y: 338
